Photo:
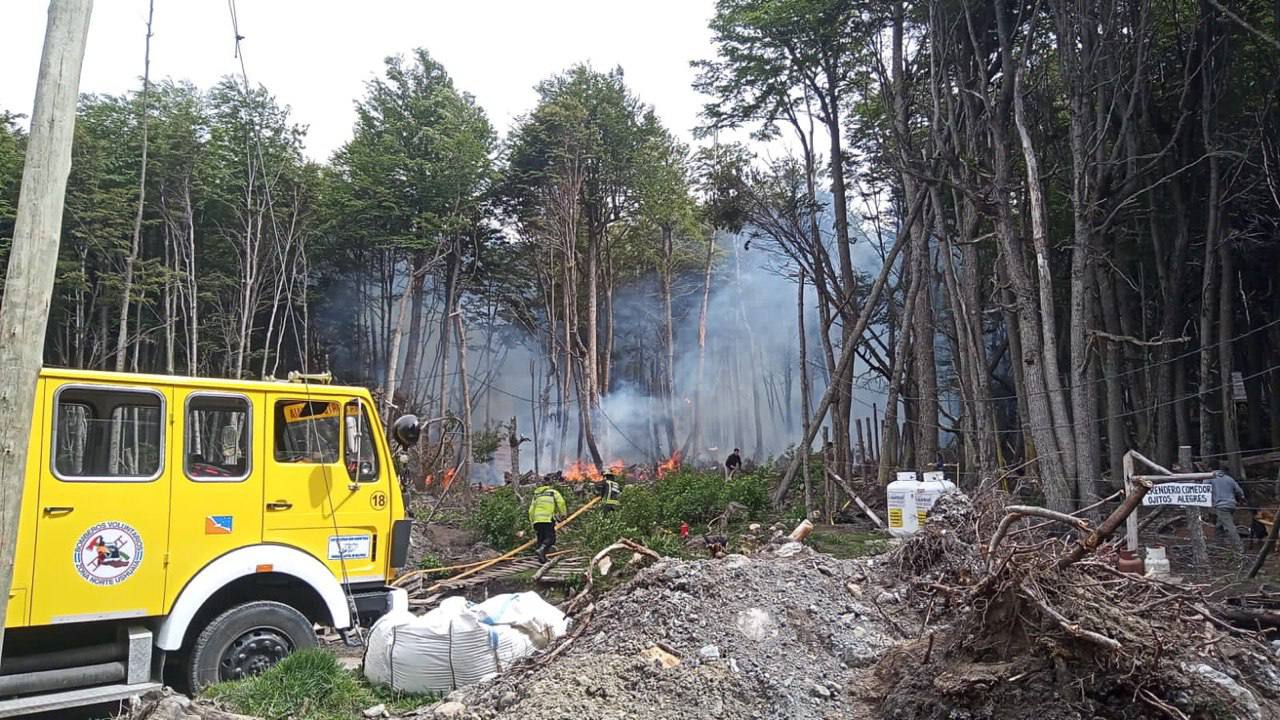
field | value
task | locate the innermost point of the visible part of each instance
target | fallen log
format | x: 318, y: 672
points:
x: 845, y: 486
x: 1248, y: 618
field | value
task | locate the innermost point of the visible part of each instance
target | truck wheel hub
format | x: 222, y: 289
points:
x: 253, y: 652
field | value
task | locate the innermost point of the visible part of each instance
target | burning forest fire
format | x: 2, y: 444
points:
x: 447, y: 479
x: 585, y: 471
x: 669, y: 465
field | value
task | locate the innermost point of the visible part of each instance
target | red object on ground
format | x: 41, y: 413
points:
x: 684, y: 530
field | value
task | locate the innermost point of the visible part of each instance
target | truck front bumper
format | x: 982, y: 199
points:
x: 376, y: 601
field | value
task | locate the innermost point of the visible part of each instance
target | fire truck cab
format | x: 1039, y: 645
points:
x: 192, y: 530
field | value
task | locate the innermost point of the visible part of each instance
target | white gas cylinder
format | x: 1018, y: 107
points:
x: 903, y: 520
x: 934, y: 486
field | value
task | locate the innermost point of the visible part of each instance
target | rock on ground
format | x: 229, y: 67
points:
x: 788, y: 636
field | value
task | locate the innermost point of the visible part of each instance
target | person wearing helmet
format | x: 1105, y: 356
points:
x: 610, y: 491
x: 546, y: 506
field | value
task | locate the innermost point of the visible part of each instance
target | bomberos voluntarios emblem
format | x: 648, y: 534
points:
x: 108, y: 553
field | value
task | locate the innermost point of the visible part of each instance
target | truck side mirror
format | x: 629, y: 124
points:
x: 406, y: 430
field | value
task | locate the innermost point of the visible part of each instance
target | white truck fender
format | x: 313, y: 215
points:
x: 248, y: 561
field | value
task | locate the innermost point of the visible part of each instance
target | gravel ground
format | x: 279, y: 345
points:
x: 758, y: 637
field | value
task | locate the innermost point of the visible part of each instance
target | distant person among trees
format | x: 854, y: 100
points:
x: 1225, y: 492
x: 733, y: 463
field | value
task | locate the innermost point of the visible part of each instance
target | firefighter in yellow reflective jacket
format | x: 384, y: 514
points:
x: 610, y: 492
x: 547, y: 504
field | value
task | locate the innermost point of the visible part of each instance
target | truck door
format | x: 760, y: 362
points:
x: 322, y: 494
x: 216, y: 456
x: 102, y: 527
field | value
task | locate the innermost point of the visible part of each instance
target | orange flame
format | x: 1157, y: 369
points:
x: 447, y: 479
x: 585, y: 471
x: 669, y: 465
x: 581, y: 471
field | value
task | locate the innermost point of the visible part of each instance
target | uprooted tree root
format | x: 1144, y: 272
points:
x: 1040, y: 625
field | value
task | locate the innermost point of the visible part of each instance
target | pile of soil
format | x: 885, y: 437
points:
x: 759, y: 636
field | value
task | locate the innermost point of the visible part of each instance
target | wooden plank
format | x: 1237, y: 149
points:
x: 1263, y: 459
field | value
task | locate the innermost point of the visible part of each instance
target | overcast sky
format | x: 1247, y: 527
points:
x: 315, y: 55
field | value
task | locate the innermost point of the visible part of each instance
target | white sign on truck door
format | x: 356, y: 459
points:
x: 1194, y: 494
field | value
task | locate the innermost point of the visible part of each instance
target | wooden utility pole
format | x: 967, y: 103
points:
x: 24, y: 314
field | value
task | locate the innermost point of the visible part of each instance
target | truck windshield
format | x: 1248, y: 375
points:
x: 307, y: 431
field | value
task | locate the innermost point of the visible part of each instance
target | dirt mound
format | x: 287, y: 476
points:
x: 757, y: 637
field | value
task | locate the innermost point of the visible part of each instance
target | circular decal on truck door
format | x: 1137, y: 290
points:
x: 108, y: 553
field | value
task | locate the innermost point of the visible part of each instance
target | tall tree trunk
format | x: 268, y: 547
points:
x: 413, y: 353
x: 452, y: 271
x: 890, y: 450
x: 1226, y: 361
x: 135, y: 245
x: 393, y: 353
x: 465, y: 452
x: 848, y: 282
x: 592, y: 330
x: 668, y: 338
x: 1172, y: 277
x: 1039, y: 382
x: 1117, y: 434
x: 694, y: 443
x: 1060, y: 419
x: 1209, y: 296
x: 1075, y: 42
x: 752, y: 359
x: 804, y: 395
x: 924, y: 365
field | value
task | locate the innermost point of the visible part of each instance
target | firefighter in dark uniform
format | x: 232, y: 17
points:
x: 610, y: 491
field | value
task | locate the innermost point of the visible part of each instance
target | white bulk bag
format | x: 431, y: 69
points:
x: 457, y: 644
x: 527, y: 612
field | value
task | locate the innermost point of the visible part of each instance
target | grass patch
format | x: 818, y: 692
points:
x: 308, y: 685
x: 848, y: 544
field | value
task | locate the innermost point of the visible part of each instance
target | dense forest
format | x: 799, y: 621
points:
x: 999, y: 234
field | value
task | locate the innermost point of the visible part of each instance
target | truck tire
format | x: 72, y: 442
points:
x: 246, y: 640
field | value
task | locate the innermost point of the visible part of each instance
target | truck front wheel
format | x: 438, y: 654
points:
x: 246, y: 640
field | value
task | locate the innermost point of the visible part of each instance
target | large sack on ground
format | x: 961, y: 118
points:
x: 458, y: 644
x: 527, y: 612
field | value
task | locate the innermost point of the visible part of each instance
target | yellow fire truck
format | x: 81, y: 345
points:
x: 193, y: 530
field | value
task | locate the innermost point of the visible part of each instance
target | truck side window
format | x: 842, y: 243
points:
x: 108, y: 434
x: 217, y: 438
x: 361, y: 457
x: 307, y: 431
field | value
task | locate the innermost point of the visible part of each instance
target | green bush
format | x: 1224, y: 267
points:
x: 594, y: 531
x: 751, y: 490
x: 692, y: 497
x: 650, y: 514
x: 307, y: 685
x: 498, y: 517
x: 639, y: 508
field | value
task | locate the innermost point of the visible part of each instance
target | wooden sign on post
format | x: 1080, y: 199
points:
x: 1153, y: 482
x: 1176, y: 493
